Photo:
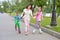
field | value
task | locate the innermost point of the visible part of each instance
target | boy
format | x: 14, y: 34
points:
x: 17, y: 24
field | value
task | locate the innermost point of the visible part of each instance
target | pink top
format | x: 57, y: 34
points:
x: 38, y: 16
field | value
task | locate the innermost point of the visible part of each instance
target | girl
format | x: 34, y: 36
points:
x: 38, y: 17
x: 27, y: 12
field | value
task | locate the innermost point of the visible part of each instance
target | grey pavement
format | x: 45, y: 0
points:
x: 7, y: 31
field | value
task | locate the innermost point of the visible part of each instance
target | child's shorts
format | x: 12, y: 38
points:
x: 37, y: 25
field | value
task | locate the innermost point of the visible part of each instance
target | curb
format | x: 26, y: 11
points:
x: 53, y: 33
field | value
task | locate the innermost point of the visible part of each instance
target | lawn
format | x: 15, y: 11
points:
x: 46, y: 21
x: 13, y: 14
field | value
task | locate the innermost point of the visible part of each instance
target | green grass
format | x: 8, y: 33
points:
x: 57, y: 28
x: 13, y: 14
x: 46, y: 21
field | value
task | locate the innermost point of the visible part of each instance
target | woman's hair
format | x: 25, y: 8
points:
x: 29, y: 5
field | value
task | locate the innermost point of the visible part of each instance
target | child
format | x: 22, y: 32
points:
x: 38, y: 17
x: 17, y: 24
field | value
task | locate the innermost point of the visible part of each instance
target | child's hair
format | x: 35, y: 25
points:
x: 40, y: 7
x: 16, y: 12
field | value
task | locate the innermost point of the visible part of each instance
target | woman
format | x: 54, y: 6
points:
x: 27, y: 13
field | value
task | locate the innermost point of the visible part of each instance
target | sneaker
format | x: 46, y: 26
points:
x: 34, y: 31
x: 40, y: 31
x: 19, y: 32
x: 26, y: 33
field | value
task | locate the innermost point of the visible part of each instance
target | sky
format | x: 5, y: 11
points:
x: 7, y: 0
x: 3, y: 0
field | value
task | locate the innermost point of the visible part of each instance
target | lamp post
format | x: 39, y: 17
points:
x: 53, y: 19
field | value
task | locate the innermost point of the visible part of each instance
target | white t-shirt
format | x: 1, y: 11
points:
x: 27, y: 14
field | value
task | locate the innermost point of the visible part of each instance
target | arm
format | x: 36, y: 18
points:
x: 14, y: 18
x: 31, y: 14
x: 34, y: 16
x: 42, y: 16
x: 23, y: 13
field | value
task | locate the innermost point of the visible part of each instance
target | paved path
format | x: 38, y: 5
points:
x: 7, y: 31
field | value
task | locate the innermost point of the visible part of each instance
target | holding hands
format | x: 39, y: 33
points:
x: 34, y: 16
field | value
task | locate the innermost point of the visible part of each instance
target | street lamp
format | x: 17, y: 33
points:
x: 53, y: 19
x: 47, y: 2
x: 2, y: 8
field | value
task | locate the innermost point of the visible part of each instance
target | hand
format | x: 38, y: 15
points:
x: 34, y: 17
x: 39, y: 19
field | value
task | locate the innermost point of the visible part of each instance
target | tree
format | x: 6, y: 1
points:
x: 6, y: 6
x: 0, y: 8
x: 23, y: 4
x: 40, y: 2
x: 58, y: 6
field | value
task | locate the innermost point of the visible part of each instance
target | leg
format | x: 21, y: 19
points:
x: 39, y: 24
x: 16, y: 25
x: 27, y: 26
x: 34, y: 30
x: 35, y: 27
x: 40, y: 31
x: 19, y: 28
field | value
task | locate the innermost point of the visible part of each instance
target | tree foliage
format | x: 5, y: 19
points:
x: 58, y: 6
x: 40, y: 2
x: 19, y: 6
x: 23, y: 4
